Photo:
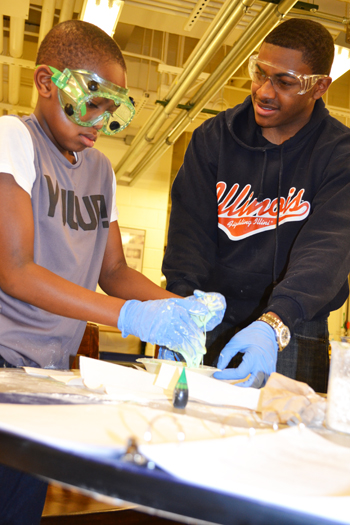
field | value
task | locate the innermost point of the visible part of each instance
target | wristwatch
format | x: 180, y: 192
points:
x: 281, y: 330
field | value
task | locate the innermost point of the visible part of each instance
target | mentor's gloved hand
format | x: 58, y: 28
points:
x: 216, y: 305
x: 259, y: 345
x: 166, y: 322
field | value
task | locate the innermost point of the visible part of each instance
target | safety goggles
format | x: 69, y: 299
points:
x: 88, y: 99
x: 285, y: 82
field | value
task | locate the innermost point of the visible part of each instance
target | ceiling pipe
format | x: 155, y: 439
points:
x: 1, y: 83
x: 183, y: 120
x: 17, y: 26
x: 14, y: 83
x: 28, y: 64
x: 1, y: 50
x: 67, y: 10
x: 253, y: 36
x: 337, y: 23
x: 46, y: 23
x: 1, y: 34
x: 218, y: 31
x: 159, y: 115
x: 199, y: 61
x: 327, y: 17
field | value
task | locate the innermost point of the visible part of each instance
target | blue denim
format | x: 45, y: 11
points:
x: 22, y: 497
x: 5, y: 364
x: 305, y: 359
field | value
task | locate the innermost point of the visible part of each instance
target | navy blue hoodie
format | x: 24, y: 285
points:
x: 226, y: 198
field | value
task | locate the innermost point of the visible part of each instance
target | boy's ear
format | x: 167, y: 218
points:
x: 42, y: 80
x: 321, y: 87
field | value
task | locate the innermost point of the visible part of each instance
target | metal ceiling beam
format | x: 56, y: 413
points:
x: 67, y: 10
x: 46, y: 23
x: 16, y: 51
x: 218, y: 31
x: 27, y: 64
x: 253, y: 36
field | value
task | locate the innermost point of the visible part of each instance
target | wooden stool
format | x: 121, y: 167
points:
x: 89, y: 346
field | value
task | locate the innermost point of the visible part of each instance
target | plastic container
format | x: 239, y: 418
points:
x: 153, y: 365
x: 338, y: 398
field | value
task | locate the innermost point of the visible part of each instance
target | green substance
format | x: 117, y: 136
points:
x: 194, y: 358
x: 193, y: 361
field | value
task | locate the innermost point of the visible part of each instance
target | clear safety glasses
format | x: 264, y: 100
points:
x: 285, y: 82
x: 88, y: 99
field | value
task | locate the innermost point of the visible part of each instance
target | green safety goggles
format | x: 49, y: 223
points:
x: 88, y: 99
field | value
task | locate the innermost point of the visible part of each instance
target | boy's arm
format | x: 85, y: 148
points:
x: 21, y: 278
x: 167, y: 324
x: 119, y: 280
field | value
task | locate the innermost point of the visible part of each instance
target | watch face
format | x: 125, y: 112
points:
x: 284, y: 336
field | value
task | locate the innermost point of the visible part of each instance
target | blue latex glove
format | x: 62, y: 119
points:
x: 169, y: 355
x: 166, y: 322
x: 216, y: 304
x: 259, y: 345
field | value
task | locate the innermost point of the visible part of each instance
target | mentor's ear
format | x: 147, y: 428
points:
x: 321, y: 87
x: 42, y: 80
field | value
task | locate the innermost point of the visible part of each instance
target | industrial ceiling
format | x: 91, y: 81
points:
x: 183, y: 59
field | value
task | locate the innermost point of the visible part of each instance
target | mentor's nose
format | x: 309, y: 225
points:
x: 267, y: 90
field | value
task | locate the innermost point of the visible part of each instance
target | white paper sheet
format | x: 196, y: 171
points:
x: 123, y: 382
x: 69, y: 377
x: 120, y: 382
x: 209, y: 390
x: 102, y: 430
x: 295, y: 468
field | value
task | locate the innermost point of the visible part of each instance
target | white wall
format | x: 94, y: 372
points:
x: 144, y: 205
x: 336, y: 323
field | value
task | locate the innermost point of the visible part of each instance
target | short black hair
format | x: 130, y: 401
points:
x: 75, y: 44
x: 311, y: 38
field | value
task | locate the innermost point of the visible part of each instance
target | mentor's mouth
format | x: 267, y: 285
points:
x: 265, y: 110
x: 267, y: 107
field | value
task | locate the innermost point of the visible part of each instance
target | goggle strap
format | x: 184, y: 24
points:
x: 59, y: 78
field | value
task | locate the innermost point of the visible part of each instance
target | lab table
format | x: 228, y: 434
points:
x: 151, y: 489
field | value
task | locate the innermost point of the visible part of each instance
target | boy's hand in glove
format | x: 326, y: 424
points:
x: 207, y: 319
x: 166, y: 322
x: 216, y: 304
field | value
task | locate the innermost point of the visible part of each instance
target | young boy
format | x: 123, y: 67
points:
x: 59, y: 233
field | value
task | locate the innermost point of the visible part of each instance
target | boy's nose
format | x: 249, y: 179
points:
x: 99, y: 125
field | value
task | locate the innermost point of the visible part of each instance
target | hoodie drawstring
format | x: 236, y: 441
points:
x: 274, y: 270
x: 261, y: 190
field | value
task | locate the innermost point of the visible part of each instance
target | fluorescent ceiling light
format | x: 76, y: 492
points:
x: 341, y: 62
x: 102, y: 13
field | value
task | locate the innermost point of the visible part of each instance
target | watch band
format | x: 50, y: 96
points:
x: 281, y: 330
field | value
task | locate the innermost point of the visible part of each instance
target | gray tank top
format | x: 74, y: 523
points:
x: 71, y: 208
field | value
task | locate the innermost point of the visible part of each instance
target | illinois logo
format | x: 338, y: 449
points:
x: 240, y: 215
